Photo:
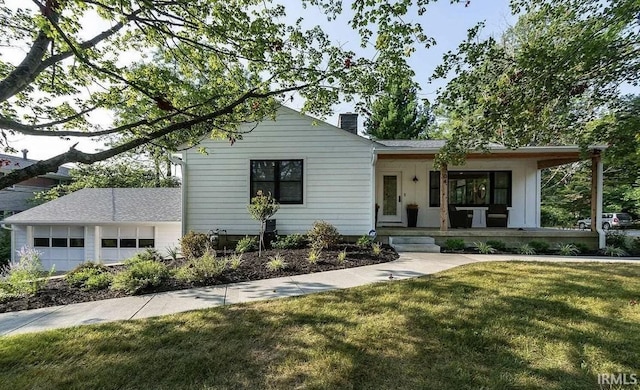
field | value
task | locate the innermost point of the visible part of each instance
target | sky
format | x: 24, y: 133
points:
x: 447, y: 23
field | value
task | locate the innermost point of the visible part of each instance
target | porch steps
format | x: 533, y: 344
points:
x: 414, y: 244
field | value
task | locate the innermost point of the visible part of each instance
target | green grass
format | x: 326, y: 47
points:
x: 489, y: 325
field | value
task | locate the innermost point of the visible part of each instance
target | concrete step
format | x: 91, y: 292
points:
x: 425, y: 248
x: 414, y: 244
x: 411, y: 240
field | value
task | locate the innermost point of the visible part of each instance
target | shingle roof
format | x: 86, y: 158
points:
x: 14, y: 162
x: 107, y: 205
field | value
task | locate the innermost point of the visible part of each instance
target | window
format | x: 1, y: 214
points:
x: 109, y: 243
x: 146, y: 243
x: 472, y: 188
x: 59, y: 242
x: 127, y: 237
x: 76, y: 242
x: 281, y: 178
x: 58, y: 236
x: 41, y: 242
x: 127, y: 243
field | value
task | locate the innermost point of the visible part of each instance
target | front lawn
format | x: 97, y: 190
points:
x: 490, y: 325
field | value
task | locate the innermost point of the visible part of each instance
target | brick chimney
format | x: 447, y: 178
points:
x: 24, y: 153
x: 349, y: 122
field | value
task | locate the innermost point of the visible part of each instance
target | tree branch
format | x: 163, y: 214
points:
x: 73, y: 155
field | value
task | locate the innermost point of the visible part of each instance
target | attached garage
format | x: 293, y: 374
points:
x: 99, y: 224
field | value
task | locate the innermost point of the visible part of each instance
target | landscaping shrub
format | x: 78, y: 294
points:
x: 173, y: 252
x: 139, y: 276
x: 539, y: 246
x: 497, y: 245
x: 582, y: 248
x: 314, y: 255
x: 235, y: 261
x: 364, y: 241
x: 617, y: 238
x: 201, y: 269
x: 484, y: 248
x: 342, y: 256
x: 89, y: 276
x: 613, y: 251
x: 568, y: 250
x: 276, y: 263
x: 526, y: 249
x: 323, y: 235
x: 454, y: 244
x: 246, y: 244
x: 376, y: 249
x: 148, y: 254
x: 25, y: 277
x: 194, y: 245
x: 292, y: 241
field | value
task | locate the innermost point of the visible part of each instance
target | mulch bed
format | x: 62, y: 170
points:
x: 58, y: 292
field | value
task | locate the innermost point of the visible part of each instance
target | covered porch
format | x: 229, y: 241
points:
x: 466, y: 197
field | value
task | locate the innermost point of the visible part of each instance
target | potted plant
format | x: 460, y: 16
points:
x: 412, y: 215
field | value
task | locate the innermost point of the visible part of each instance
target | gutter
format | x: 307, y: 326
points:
x: 183, y: 169
x: 4, y: 226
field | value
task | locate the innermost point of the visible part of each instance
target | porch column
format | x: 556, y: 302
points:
x: 596, y: 196
x: 444, y: 198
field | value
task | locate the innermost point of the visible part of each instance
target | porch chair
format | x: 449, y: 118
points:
x: 497, y: 215
x: 460, y: 218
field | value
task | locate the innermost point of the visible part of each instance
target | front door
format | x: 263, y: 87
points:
x: 389, y: 193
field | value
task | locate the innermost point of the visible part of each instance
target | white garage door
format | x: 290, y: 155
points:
x: 62, y: 247
x: 118, y: 243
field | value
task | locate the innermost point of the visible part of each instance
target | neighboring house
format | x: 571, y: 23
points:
x: 101, y: 224
x: 317, y: 172
x: 16, y: 198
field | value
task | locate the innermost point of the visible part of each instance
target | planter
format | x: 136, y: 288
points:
x: 412, y: 217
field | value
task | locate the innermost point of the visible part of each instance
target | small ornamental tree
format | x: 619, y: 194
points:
x: 262, y: 207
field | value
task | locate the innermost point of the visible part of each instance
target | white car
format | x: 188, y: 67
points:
x: 609, y: 220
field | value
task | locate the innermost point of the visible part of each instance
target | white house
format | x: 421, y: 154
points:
x: 321, y: 172
x: 317, y: 172
x: 101, y: 224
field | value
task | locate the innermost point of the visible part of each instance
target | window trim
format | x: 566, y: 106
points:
x: 276, y: 182
x: 435, y: 176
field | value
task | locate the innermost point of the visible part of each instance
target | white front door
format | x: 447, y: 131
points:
x: 390, y: 196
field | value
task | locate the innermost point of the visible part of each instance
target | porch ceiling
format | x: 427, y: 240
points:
x: 544, y: 159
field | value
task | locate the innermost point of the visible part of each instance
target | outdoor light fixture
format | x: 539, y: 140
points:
x: 415, y: 179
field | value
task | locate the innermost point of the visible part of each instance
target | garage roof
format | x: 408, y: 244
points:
x: 107, y: 205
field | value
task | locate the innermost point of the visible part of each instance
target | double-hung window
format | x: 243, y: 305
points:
x: 283, y: 179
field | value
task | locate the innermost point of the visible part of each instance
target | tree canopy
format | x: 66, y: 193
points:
x: 172, y: 71
x: 118, y: 174
x: 397, y: 113
x: 549, y: 76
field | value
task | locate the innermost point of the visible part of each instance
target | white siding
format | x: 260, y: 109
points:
x: 524, y: 211
x: 20, y: 240
x: 337, y: 177
x: 167, y: 236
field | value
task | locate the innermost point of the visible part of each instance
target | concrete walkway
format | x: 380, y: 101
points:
x: 409, y: 265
